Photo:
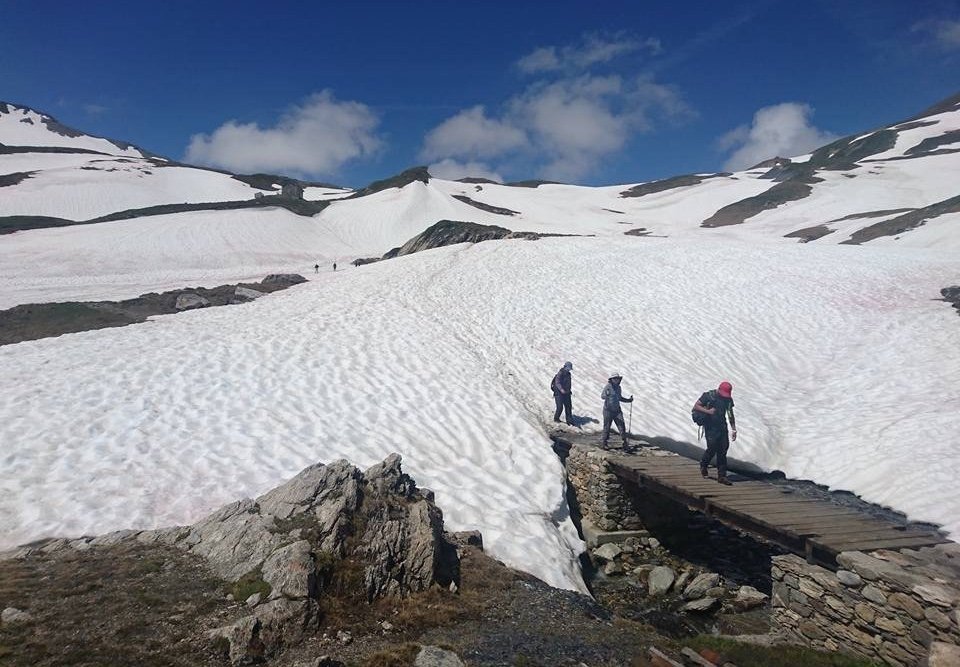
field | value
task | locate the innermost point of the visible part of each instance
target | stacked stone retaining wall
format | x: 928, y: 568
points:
x: 890, y: 606
x: 600, y: 496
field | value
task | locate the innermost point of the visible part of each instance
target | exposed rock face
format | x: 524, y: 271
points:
x: 190, y: 301
x: 434, y: 656
x: 242, y: 293
x: 288, y: 278
x: 284, y: 533
x: 451, y: 232
x: 400, y: 180
x: 668, y: 184
x: 290, y: 542
x: 952, y: 296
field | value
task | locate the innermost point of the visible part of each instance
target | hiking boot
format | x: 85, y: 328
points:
x: 724, y: 481
x: 703, y: 472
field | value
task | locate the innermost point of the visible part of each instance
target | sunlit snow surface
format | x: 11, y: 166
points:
x: 845, y: 371
x: 845, y: 366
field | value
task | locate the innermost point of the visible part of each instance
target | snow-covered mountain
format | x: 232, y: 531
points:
x: 844, y: 363
x: 51, y: 170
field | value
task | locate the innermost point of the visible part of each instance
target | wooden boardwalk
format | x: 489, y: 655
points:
x: 815, y: 528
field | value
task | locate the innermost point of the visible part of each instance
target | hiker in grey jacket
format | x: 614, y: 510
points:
x: 611, y: 408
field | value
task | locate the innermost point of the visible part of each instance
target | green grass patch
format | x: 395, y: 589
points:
x: 249, y: 584
x: 403, y: 655
x: 775, y: 656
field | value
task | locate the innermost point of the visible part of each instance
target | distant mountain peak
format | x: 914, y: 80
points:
x: 21, y: 125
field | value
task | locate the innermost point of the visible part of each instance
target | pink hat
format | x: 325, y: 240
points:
x: 725, y: 389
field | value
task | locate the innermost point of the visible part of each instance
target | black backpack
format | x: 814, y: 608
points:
x: 702, y: 418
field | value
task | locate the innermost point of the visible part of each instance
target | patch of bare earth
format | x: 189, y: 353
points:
x: 121, y: 605
x: 149, y: 606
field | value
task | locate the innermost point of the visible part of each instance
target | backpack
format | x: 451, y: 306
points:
x: 702, y: 418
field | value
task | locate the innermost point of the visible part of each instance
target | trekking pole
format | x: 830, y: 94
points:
x: 630, y: 423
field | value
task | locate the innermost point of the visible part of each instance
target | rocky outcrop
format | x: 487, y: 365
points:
x: 406, y: 177
x: 41, y: 320
x: 294, y: 537
x: 952, y: 296
x: 672, y: 183
x: 284, y: 278
x: 189, y: 301
x: 450, y: 232
x: 241, y: 294
x: 332, y: 524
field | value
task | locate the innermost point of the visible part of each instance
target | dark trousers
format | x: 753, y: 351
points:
x: 563, y: 404
x: 718, y: 442
x: 617, y: 418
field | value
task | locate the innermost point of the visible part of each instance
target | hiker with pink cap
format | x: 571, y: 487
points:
x: 712, y: 410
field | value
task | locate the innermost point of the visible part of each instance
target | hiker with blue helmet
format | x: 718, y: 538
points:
x: 561, y: 393
x: 612, y: 413
x: 716, y: 406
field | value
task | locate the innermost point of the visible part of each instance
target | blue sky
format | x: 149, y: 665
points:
x: 593, y: 93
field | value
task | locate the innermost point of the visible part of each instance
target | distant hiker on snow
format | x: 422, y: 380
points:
x: 611, y: 409
x: 334, y: 266
x: 316, y: 268
x: 711, y: 411
x: 561, y: 393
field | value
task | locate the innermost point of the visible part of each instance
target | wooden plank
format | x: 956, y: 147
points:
x: 824, y: 527
x: 865, y: 534
x: 817, y: 510
x: 760, y: 503
x: 785, y: 521
x: 869, y: 545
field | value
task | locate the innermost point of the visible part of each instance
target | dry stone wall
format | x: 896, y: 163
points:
x: 891, y: 606
x: 601, y: 498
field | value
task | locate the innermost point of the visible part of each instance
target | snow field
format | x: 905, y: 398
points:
x: 125, y: 258
x: 842, y: 365
x: 25, y: 127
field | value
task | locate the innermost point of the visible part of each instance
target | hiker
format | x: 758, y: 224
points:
x: 718, y: 405
x: 334, y: 266
x: 611, y: 409
x: 316, y: 268
x: 561, y: 393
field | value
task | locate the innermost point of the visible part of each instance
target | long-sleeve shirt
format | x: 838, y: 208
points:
x: 612, y: 398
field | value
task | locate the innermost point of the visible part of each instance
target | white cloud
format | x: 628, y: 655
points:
x: 946, y: 34
x: 95, y: 109
x: 540, y: 60
x: 314, y: 138
x: 592, y: 50
x: 782, y: 130
x: 452, y: 170
x: 574, y: 123
x: 471, y: 133
x: 565, y: 127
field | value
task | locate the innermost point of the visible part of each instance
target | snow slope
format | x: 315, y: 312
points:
x: 840, y: 360
x: 106, y: 177
x: 844, y: 363
x: 22, y: 126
